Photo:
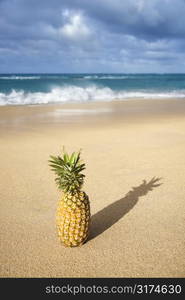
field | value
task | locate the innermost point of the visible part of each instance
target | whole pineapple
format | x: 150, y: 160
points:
x: 73, y: 213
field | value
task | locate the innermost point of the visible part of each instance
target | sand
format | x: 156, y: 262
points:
x: 138, y: 224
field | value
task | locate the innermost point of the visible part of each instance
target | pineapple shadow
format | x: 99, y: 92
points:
x: 111, y: 214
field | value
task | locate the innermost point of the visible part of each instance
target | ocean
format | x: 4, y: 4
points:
x: 24, y: 89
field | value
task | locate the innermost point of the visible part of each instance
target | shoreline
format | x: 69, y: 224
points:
x: 96, y: 102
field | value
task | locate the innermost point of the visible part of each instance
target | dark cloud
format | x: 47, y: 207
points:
x: 92, y: 36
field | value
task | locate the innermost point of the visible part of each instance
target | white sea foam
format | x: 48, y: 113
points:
x: 80, y: 94
x: 106, y: 77
x: 19, y: 77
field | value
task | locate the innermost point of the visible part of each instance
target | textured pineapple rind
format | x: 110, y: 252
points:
x: 73, y: 219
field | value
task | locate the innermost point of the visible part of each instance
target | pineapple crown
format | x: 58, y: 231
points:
x: 68, y: 169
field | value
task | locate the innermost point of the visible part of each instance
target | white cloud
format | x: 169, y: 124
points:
x: 140, y: 4
x: 75, y: 27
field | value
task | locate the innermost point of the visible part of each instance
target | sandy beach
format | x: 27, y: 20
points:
x: 138, y: 223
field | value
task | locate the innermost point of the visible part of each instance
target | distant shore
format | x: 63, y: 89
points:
x: 137, y: 228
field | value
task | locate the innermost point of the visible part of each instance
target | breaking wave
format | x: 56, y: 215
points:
x: 19, y: 77
x: 34, y: 77
x: 81, y: 94
x: 114, y: 77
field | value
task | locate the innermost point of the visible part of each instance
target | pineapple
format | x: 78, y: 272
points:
x: 73, y: 213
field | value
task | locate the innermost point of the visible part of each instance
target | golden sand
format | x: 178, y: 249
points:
x: 138, y: 224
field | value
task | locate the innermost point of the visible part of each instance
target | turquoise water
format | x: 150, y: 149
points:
x: 58, y: 88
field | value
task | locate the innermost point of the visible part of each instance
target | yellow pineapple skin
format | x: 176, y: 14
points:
x: 73, y: 219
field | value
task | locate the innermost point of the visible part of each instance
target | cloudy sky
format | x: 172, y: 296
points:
x: 92, y: 36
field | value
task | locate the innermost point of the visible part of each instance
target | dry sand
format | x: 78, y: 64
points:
x: 136, y: 232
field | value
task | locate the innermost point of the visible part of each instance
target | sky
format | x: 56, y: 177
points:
x: 89, y: 36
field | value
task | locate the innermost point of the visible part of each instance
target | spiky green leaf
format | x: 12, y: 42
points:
x: 68, y: 170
